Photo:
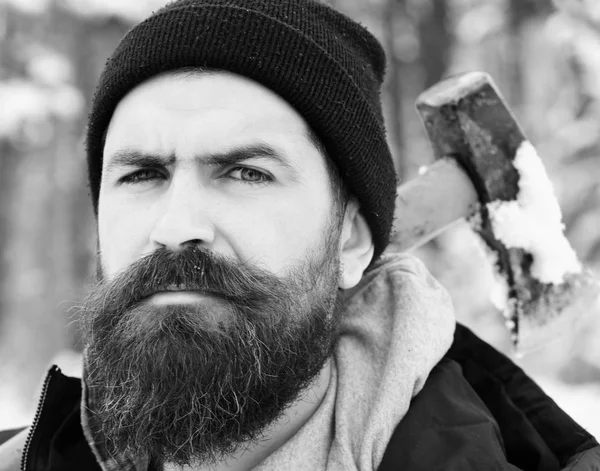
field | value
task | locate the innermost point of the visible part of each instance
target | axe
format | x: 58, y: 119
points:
x: 487, y: 172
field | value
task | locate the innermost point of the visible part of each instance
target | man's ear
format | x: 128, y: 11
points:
x: 356, y: 246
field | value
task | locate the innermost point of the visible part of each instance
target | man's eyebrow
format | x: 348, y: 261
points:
x: 239, y: 154
x: 132, y: 158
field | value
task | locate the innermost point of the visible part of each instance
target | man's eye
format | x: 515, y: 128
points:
x: 248, y: 175
x: 141, y: 176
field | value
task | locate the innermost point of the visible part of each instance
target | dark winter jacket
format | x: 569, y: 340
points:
x: 477, y: 411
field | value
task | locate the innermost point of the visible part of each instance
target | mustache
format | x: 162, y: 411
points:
x: 193, y: 269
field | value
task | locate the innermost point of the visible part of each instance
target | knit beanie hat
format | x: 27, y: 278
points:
x: 328, y: 67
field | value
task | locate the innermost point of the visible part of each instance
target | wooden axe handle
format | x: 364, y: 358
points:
x: 430, y: 203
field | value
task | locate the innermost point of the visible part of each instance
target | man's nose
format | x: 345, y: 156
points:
x: 185, y: 219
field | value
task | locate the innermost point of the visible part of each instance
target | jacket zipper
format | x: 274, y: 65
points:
x: 38, y: 413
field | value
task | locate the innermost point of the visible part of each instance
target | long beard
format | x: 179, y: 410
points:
x: 192, y: 383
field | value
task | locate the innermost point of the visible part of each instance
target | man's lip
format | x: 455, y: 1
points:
x: 180, y: 295
x: 181, y: 288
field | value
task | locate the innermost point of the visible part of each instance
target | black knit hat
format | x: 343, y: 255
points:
x: 328, y: 67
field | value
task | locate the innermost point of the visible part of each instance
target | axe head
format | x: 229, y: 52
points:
x: 518, y: 217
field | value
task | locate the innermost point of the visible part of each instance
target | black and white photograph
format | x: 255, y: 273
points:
x: 299, y: 235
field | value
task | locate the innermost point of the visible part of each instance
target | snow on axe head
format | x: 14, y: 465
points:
x: 517, y: 215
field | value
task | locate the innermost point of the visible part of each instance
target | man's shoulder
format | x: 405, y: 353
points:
x: 446, y: 427
x: 56, y: 440
x: 535, y: 430
x: 479, y: 409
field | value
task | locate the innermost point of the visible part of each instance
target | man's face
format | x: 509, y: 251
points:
x: 219, y: 249
x: 216, y: 160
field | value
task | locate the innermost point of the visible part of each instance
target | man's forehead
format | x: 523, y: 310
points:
x: 215, y: 91
x: 217, y: 106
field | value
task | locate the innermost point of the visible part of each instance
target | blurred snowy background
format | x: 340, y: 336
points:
x: 543, y: 54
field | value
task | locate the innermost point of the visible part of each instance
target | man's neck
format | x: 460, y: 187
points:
x: 277, y: 433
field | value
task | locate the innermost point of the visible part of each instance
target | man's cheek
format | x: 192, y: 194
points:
x: 281, y: 243
x: 122, y: 240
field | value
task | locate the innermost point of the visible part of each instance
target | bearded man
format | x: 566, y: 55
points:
x: 244, y: 315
